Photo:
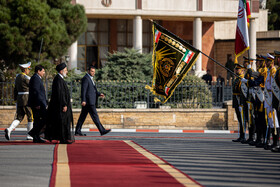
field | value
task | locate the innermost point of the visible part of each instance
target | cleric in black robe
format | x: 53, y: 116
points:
x: 60, y: 117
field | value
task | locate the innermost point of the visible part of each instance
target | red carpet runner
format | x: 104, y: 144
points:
x: 112, y: 163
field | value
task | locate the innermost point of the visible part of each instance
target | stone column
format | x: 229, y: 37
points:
x: 137, y: 33
x: 253, y: 41
x: 197, y: 42
x: 73, y: 53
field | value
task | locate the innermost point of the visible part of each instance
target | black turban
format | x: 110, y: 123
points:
x: 60, y: 67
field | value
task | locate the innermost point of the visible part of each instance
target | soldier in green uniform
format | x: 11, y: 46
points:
x: 275, y: 100
x: 21, y: 92
x: 237, y: 102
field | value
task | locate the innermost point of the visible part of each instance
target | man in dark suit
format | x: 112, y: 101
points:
x: 89, y: 96
x: 37, y: 102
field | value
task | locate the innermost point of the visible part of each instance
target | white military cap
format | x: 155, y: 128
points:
x: 27, y: 65
x: 270, y: 57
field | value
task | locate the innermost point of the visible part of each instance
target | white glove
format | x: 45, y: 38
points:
x: 244, y: 80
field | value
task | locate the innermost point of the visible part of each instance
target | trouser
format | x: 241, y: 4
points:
x: 39, y: 120
x: 22, y: 111
x: 260, y: 126
x: 251, y: 121
x: 238, y: 114
x: 91, y: 109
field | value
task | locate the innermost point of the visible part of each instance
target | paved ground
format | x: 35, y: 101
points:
x: 210, y: 159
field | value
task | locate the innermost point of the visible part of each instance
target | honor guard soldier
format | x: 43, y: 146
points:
x: 276, y: 100
x: 272, y: 120
x: 248, y: 100
x: 21, y: 92
x: 259, y: 112
x: 237, y: 102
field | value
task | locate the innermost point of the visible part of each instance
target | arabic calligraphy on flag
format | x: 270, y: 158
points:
x: 172, y: 60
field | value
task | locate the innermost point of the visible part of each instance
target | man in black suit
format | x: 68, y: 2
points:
x: 89, y: 96
x: 37, y: 102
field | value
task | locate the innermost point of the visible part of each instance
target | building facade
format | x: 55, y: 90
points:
x: 116, y: 24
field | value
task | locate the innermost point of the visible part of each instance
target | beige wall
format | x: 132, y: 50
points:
x: 196, y: 119
x: 167, y: 9
x: 220, y: 5
x: 225, y: 30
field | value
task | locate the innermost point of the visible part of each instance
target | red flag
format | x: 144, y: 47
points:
x: 242, y: 36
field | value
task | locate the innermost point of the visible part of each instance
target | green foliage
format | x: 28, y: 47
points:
x: 274, y: 16
x: 129, y: 65
x: 193, y: 92
x: 24, y: 24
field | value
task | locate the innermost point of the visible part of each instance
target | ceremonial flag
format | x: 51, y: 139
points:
x: 172, y: 60
x: 242, y: 36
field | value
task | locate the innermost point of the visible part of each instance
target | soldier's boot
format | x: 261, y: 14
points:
x: 8, y: 131
x: 253, y: 140
x: 267, y: 145
x: 276, y: 148
x: 29, y: 127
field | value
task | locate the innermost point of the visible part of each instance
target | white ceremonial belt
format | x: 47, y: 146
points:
x: 23, y: 93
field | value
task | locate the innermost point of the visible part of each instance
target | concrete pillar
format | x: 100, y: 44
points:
x: 73, y: 53
x: 197, y: 42
x: 253, y: 41
x: 137, y: 33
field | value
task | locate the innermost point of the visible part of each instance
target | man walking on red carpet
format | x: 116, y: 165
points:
x: 89, y: 96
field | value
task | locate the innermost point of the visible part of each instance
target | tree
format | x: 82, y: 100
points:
x: 274, y: 16
x: 127, y: 66
x: 23, y: 25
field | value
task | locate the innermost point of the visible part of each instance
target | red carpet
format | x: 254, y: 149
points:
x: 23, y: 142
x: 114, y: 163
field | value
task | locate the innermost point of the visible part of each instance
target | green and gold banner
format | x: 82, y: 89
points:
x: 173, y: 58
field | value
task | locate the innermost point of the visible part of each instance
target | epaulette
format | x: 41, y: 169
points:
x: 272, y: 71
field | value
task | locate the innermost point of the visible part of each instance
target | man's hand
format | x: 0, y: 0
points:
x: 64, y: 109
x: 102, y: 95
x: 84, y: 103
x: 37, y: 107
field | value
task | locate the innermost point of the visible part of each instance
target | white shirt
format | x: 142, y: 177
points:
x: 38, y: 75
x: 91, y: 79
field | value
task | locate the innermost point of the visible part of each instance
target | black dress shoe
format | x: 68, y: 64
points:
x: 246, y: 141
x: 38, y: 140
x: 105, y: 132
x: 259, y: 145
x: 65, y: 142
x: 276, y: 149
x: 80, y: 134
x: 252, y: 143
x: 267, y: 146
x: 238, y: 140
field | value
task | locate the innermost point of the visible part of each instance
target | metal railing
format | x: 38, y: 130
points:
x: 134, y: 95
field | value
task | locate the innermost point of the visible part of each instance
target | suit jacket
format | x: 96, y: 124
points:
x: 89, y: 93
x: 37, y: 93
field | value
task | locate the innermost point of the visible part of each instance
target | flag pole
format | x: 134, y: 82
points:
x: 183, y: 41
x: 40, y: 49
